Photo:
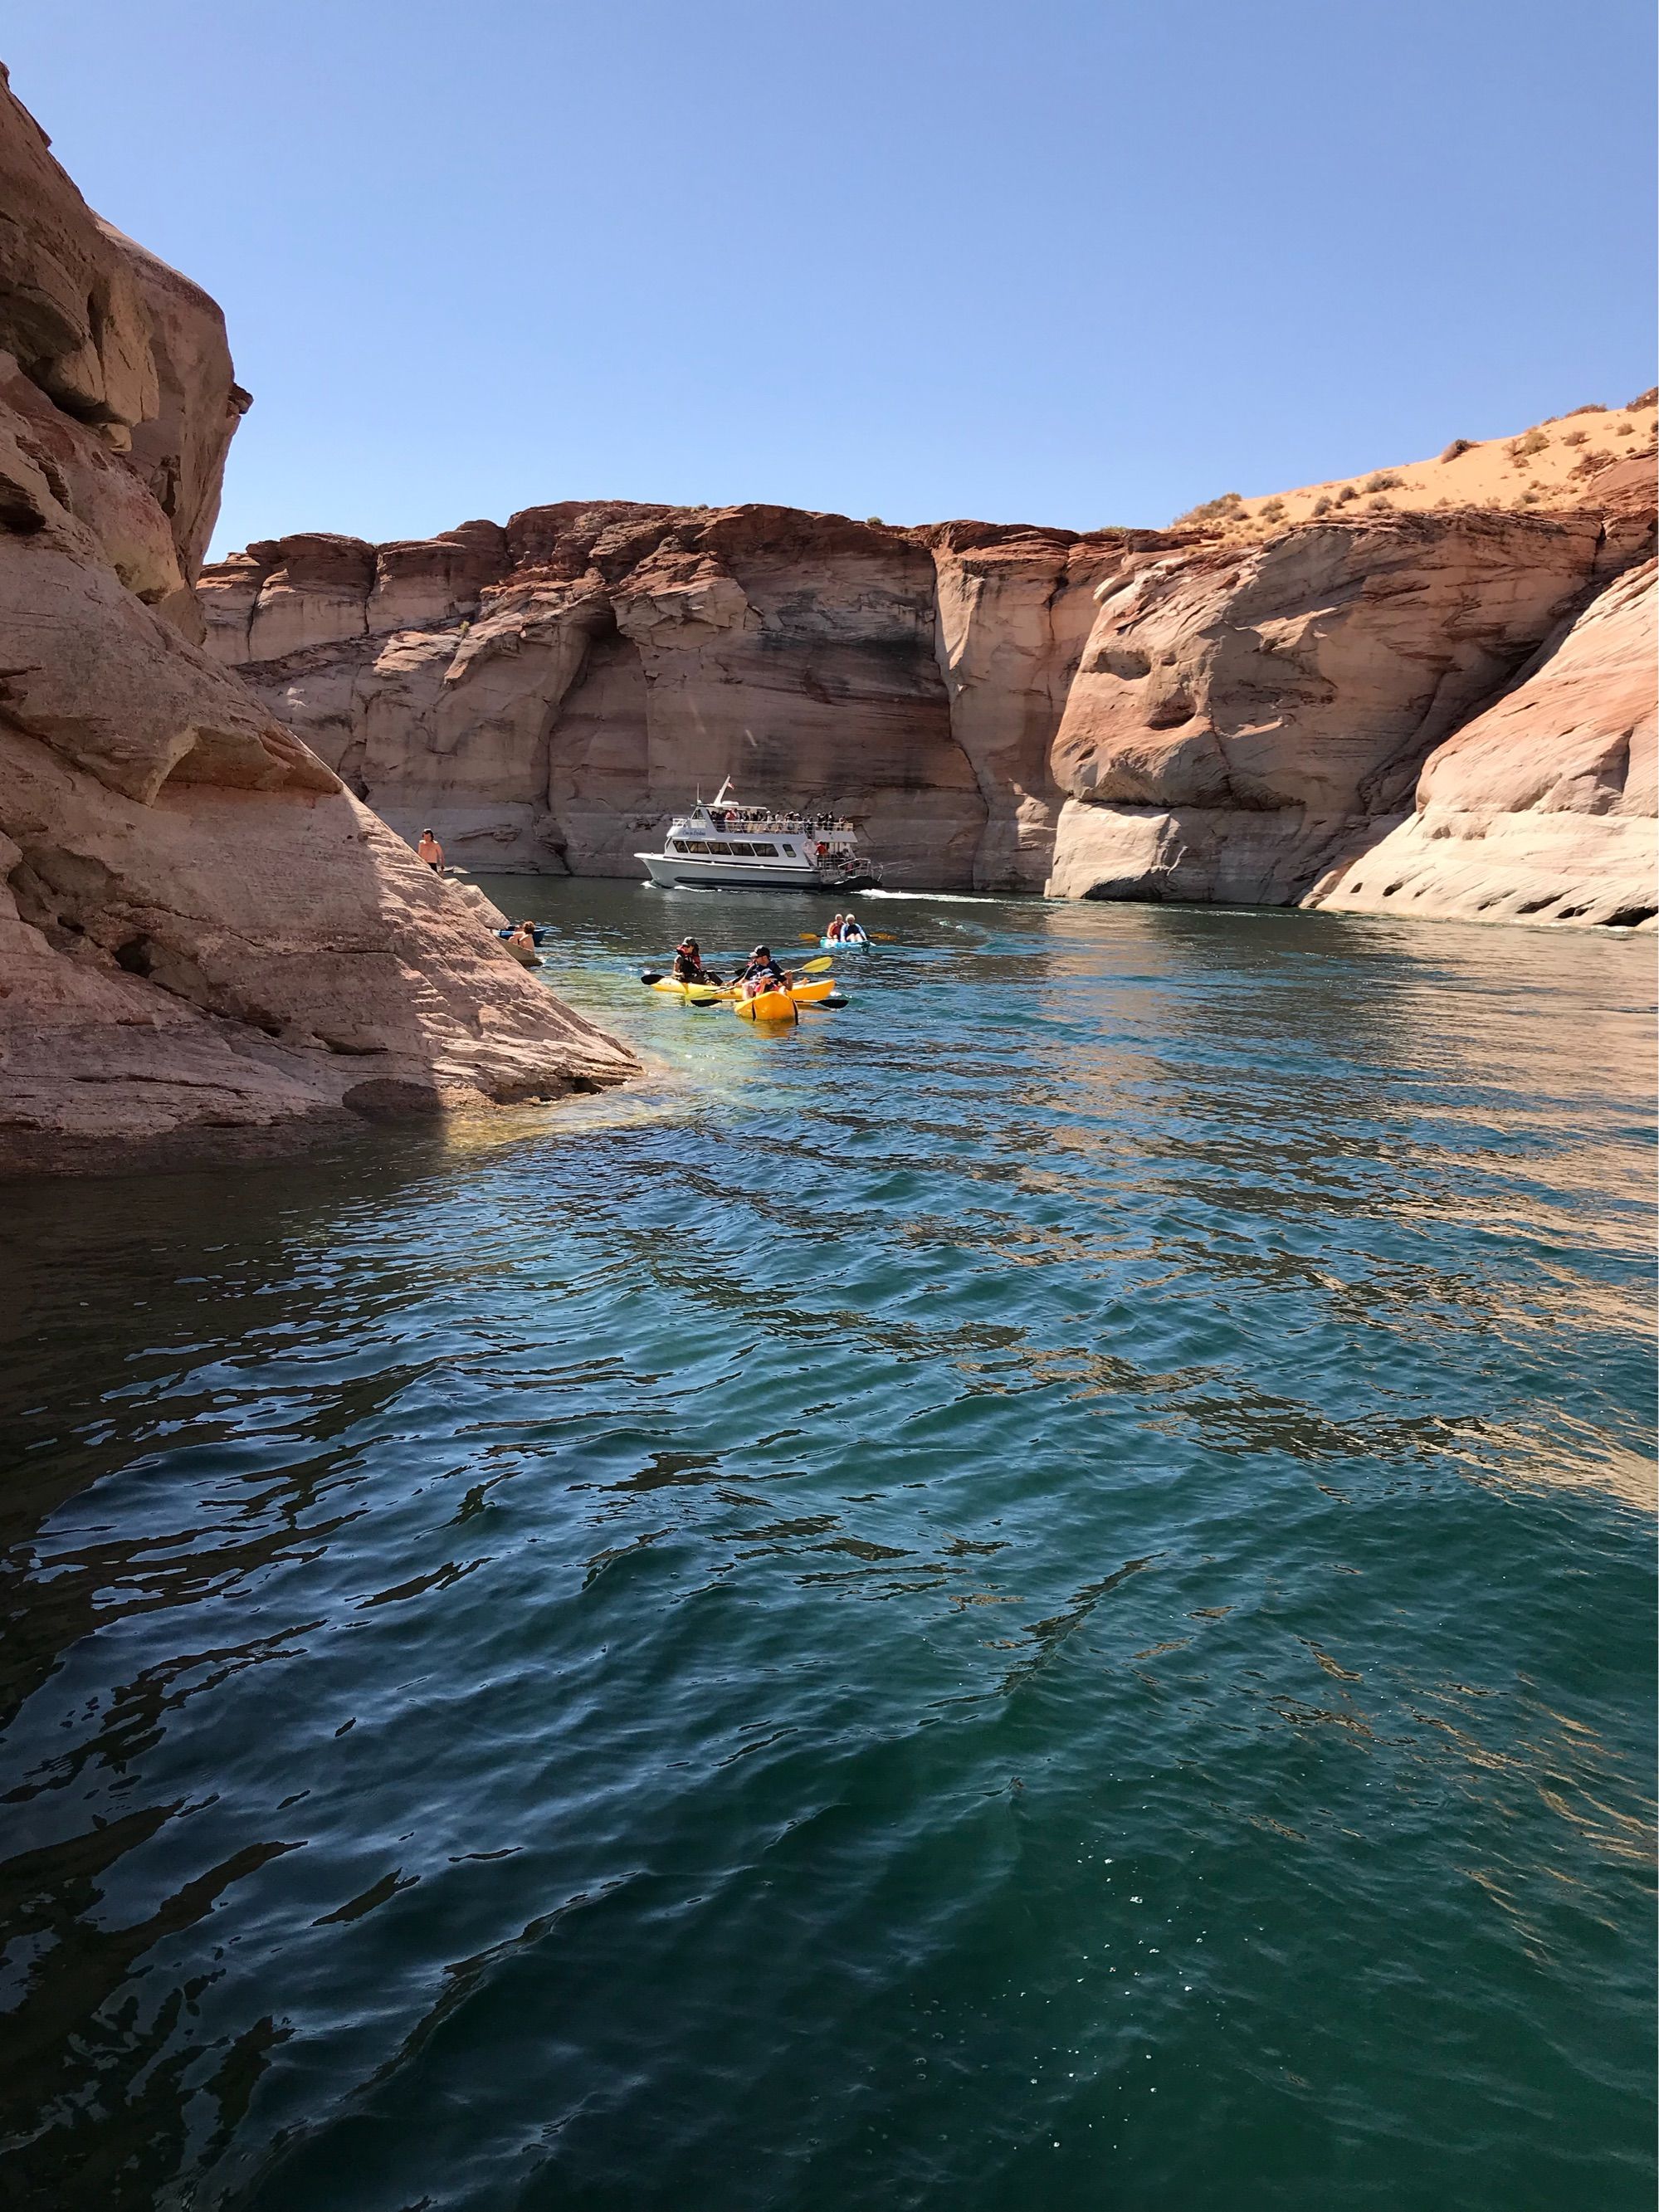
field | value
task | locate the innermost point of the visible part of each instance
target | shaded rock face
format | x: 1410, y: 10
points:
x: 1262, y: 724
x: 200, y: 930
x: 545, y: 695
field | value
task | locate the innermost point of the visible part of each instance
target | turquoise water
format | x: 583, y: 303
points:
x: 1038, y: 1593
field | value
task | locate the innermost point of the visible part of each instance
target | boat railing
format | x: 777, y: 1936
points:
x: 738, y: 822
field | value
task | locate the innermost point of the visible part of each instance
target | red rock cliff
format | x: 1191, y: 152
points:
x: 1240, y: 709
x: 199, y: 928
x: 545, y: 694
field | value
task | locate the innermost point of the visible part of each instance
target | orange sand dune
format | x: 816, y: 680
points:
x: 1552, y: 466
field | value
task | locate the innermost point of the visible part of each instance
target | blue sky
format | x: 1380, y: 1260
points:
x: 1065, y: 261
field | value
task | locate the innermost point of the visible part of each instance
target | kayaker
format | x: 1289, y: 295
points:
x: 523, y: 939
x: 431, y: 852
x: 761, y: 972
x: 687, y: 963
x: 852, y: 930
x: 832, y: 935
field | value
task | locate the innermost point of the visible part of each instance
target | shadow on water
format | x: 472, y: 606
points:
x: 1033, y: 1591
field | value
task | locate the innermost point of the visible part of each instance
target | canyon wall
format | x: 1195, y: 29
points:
x: 201, y: 931
x: 1445, y: 713
x: 544, y: 695
x: 1232, y: 710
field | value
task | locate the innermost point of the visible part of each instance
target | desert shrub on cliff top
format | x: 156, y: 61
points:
x: 1347, y: 492
x: 1523, y: 447
x: 1225, y: 509
x: 1384, y: 480
x: 1271, y: 510
x: 1458, y: 446
x: 1321, y: 505
x: 1647, y: 398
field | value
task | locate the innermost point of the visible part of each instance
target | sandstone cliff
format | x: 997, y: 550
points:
x: 544, y: 695
x: 199, y: 928
x: 1445, y: 713
x: 1242, y: 709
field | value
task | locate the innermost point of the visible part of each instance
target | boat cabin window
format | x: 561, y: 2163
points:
x: 740, y: 849
x: 764, y: 852
x: 713, y: 845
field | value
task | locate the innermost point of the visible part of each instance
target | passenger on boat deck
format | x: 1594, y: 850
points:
x: 761, y: 972
x: 687, y: 963
x: 431, y: 852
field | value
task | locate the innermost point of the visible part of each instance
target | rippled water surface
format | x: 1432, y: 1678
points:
x: 1038, y: 1594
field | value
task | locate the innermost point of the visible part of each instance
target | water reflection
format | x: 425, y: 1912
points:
x: 854, y: 1610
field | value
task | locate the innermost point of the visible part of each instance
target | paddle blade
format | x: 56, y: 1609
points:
x: 817, y: 966
x: 835, y: 999
x: 805, y: 938
x: 651, y: 976
x: 883, y: 937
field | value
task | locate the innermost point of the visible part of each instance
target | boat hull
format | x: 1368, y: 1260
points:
x: 670, y: 873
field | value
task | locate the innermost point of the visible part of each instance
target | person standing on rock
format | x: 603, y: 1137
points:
x: 431, y: 852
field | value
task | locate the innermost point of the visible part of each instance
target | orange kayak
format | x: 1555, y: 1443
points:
x: 768, y: 1006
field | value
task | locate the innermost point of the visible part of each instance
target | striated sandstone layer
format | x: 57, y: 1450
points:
x: 1442, y: 713
x: 544, y: 695
x: 1222, y: 712
x: 200, y: 930
x: 1542, y: 807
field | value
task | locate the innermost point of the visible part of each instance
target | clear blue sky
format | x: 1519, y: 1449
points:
x: 1068, y: 261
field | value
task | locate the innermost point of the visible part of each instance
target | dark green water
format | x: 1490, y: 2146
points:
x: 1038, y: 1593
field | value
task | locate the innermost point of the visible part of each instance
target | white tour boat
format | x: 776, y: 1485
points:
x: 726, y: 846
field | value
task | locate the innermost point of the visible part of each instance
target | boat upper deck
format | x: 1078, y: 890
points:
x: 731, y: 821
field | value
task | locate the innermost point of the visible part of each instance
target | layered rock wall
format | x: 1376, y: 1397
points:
x: 200, y: 930
x: 1447, y: 713
x: 543, y: 695
x: 1203, y: 714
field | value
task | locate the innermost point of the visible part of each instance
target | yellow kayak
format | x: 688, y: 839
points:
x: 781, y: 1006
x: 776, y: 1006
x: 703, y: 994
x: 768, y: 1006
